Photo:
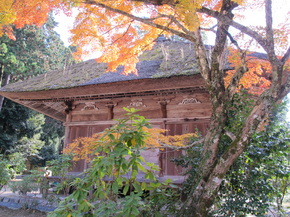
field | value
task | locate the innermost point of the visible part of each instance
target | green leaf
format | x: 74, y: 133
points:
x: 173, y: 186
x: 137, y: 187
x: 140, y: 166
x: 124, y: 167
x: 76, y: 195
x: 146, y: 175
x: 135, y: 167
x: 111, y: 136
x: 144, y: 186
x: 152, y: 177
x: 158, y: 185
x: 125, y: 190
x: 115, y: 187
x: 142, y: 159
x: 158, y: 214
x: 100, y: 194
x: 135, y: 211
x: 126, y: 109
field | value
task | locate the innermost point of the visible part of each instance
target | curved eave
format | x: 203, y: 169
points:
x: 51, y: 102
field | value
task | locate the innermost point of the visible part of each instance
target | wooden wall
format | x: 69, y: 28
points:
x: 83, y: 131
x: 179, y: 113
x: 175, y: 106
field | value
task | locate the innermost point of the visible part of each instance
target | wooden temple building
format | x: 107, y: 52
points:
x: 168, y: 90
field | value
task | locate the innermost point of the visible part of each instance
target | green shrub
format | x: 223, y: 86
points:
x: 122, y: 145
x: 60, y: 167
x: 4, y: 172
x: 27, y: 184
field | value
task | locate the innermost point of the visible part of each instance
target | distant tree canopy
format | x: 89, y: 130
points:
x: 34, y: 51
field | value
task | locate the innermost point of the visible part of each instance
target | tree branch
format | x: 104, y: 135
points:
x: 238, y: 145
x: 123, y: 33
x: 239, y: 71
x: 219, y: 52
x: 163, y: 145
x: 142, y: 20
x: 269, y: 28
x: 202, y: 60
x: 277, y: 65
x: 231, y: 135
x: 211, y: 29
x: 285, y: 88
x: 286, y: 56
x: 236, y: 25
x: 181, y: 26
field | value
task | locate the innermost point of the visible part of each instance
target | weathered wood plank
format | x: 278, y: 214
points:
x: 153, y: 121
x: 77, y: 132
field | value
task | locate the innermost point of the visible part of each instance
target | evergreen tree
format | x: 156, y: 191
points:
x: 13, y: 125
x: 35, y: 51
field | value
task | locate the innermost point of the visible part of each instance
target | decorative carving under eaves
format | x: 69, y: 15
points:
x: 68, y: 107
x: 189, y: 101
x: 136, y: 103
x: 163, y: 101
x: 112, y: 103
x: 90, y: 106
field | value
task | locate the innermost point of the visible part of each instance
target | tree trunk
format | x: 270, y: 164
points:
x: 6, y: 81
x: 1, y: 73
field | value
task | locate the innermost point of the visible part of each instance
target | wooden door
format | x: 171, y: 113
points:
x: 77, y: 132
x: 83, y: 131
x: 92, y: 131
x: 166, y: 165
x: 170, y: 154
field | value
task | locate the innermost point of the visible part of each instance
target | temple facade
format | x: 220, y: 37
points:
x: 168, y: 90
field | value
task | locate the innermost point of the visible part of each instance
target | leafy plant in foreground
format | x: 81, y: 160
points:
x: 113, y: 173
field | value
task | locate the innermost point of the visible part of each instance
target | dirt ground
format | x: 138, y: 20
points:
x: 6, y: 212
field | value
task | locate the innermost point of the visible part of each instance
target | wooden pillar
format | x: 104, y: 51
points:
x: 110, y: 106
x: 66, y: 136
x: 162, y: 154
x: 163, y: 109
x: 67, y: 128
x: 110, y: 111
x: 163, y: 103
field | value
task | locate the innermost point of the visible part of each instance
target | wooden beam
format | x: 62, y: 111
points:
x: 152, y: 121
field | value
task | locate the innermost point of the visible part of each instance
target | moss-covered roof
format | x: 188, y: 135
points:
x: 166, y: 59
